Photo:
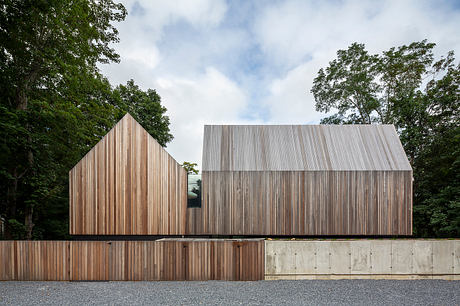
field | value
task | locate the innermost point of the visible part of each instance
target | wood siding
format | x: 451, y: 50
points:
x: 128, y: 185
x: 304, y: 203
x: 257, y: 180
x: 302, y: 148
x: 175, y: 259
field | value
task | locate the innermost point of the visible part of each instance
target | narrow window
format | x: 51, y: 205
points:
x: 194, y: 190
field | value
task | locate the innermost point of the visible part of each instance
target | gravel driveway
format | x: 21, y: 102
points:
x: 364, y: 292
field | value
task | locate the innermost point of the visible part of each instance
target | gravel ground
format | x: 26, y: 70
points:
x: 363, y: 292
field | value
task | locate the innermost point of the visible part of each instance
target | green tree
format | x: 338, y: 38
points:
x: 46, y: 41
x: 364, y: 87
x: 435, y: 141
x: 349, y: 85
x: 48, y: 48
x: 190, y: 167
x: 389, y: 89
x: 55, y: 105
x: 146, y: 108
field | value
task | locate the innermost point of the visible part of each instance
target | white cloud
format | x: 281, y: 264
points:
x: 201, y: 13
x: 214, y: 61
x: 290, y: 30
x: 147, y: 57
x: 289, y: 97
x: 208, y: 98
x: 152, y: 16
x: 144, y: 28
x: 300, y: 37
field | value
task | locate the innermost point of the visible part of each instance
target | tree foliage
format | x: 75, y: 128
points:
x: 190, y: 167
x: 146, y: 107
x: 406, y: 87
x: 55, y: 105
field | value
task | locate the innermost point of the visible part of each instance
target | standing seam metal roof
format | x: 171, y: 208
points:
x: 302, y: 148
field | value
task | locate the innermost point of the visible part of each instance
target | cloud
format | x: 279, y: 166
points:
x: 208, y: 98
x: 144, y: 30
x: 300, y: 37
x: 216, y: 61
x: 289, y: 96
x: 290, y: 31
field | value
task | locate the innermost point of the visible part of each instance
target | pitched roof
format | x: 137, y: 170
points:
x: 302, y: 147
x: 126, y: 133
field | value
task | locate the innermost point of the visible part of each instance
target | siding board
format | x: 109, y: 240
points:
x: 127, y: 185
x: 302, y: 148
x: 304, y: 203
x: 166, y: 259
x: 303, y: 180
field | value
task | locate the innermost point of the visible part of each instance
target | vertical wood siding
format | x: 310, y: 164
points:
x: 302, y: 148
x: 303, y: 180
x: 128, y: 185
x: 173, y: 259
x: 304, y: 203
x: 257, y: 180
x: 34, y: 260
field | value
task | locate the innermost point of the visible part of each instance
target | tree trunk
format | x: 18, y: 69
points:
x: 22, y: 104
x: 12, y: 196
x: 21, y: 100
x: 29, y: 213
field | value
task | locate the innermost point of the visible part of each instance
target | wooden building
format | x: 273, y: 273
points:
x: 303, y: 180
x: 128, y: 185
x: 264, y: 181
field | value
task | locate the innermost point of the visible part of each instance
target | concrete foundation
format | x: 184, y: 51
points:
x: 362, y: 259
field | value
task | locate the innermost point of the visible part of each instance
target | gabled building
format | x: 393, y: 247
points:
x: 304, y: 180
x: 127, y: 185
x: 257, y: 180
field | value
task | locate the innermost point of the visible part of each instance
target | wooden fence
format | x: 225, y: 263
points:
x: 165, y: 259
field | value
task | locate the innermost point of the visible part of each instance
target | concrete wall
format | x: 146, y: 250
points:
x: 362, y: 258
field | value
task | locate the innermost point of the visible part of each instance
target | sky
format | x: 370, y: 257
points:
x: 253, y: 62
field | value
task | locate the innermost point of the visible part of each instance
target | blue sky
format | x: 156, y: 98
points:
x: 253, y: 62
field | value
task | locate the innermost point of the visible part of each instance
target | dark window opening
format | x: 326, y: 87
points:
x: 194, y: 190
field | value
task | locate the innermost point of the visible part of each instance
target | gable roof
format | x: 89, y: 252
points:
x: 126, y: 135
x: 126, y: 185
x: 302, y: 147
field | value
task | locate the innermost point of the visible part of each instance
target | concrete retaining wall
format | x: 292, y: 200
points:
x: 331, y: 259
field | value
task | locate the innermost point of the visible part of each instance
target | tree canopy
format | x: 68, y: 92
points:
x: 190, y: 167
x: 407, y: 87
x: 55, y: 105
x: 146, y: 107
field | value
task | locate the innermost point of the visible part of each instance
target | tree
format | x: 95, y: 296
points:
x: 388, y: 89
x: 48, y: 48
x: 55, y: 105
x: 349, y: 85
x: 435, y: 141
x: 190, y: 167
x: 364, y: 88
x: 146, y: 108
x: 46, y: 41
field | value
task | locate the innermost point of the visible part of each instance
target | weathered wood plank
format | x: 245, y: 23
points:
x: 304, y: 203
x: 166, y: 259
x: 302, y: 148
x: 127, y: 185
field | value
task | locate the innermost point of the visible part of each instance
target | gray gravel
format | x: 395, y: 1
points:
x: 363, y: 292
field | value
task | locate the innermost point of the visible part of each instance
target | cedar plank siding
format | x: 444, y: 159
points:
x: 304, y: 203
x: 257, y: 180
x: 303, y: 180
x: 127, y: 185
x: 165, y: 259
